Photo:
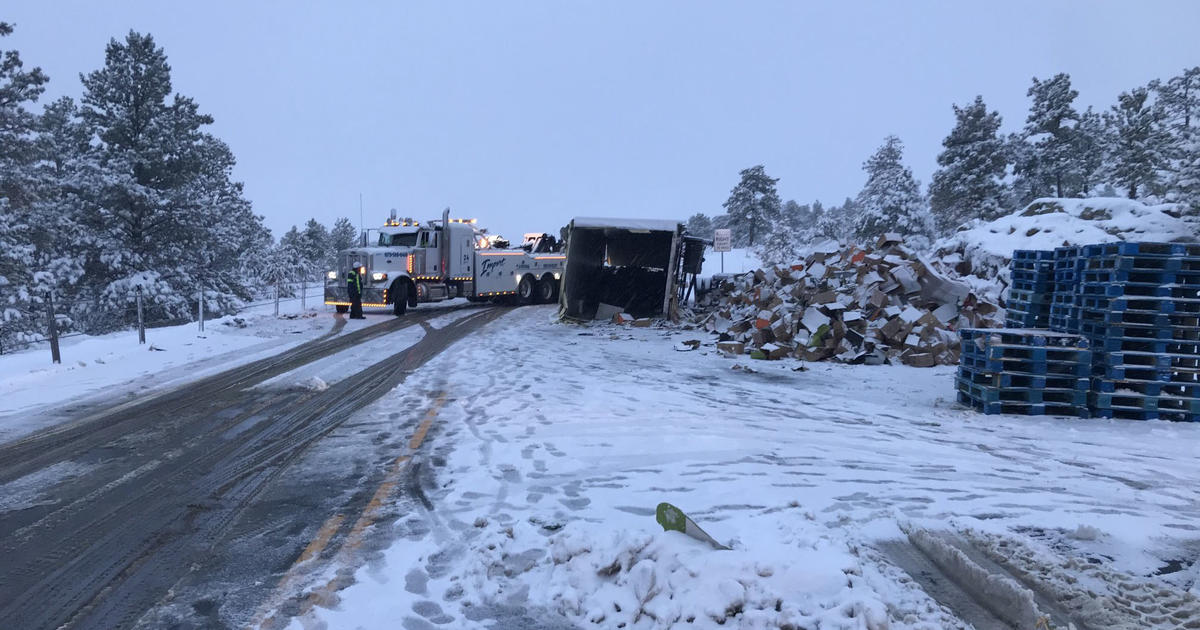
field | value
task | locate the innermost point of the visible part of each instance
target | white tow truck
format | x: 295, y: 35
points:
x: 415, y: 262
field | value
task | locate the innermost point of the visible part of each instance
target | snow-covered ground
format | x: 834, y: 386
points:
x: 557, y: 442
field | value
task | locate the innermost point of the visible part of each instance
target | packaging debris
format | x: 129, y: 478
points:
x: 847, y: 304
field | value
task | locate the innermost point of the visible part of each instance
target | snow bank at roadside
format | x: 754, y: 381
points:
x: 984, y: 248
x: 640, y: 580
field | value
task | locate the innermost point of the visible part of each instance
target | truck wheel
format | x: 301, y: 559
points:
x: 525, y: 290
x: 342, y: 308
x: 545, y: 292
x: 400, y: 299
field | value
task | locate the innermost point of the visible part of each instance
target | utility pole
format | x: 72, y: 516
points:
x: 362, y: 234
x: 141, y: 319
x: 54, y: 354
x: 304, y: 294
x: 276, y: 299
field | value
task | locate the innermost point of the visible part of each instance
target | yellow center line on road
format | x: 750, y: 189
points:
x: 325, y: 594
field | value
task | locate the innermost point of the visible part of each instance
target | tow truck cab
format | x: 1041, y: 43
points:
x: 412, y: 262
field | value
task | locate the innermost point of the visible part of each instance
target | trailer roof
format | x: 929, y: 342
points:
x: 654, y: 225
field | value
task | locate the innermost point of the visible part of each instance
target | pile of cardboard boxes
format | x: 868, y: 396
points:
x: 847, y: 304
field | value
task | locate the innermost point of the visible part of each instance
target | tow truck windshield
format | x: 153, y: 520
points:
x: 398, y: 240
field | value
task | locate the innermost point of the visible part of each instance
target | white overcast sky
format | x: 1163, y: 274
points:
x: 524, y: 114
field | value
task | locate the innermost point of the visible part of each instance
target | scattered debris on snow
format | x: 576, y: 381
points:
x: 850, y: 304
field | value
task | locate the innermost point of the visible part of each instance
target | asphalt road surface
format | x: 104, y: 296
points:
x: 189, y: 514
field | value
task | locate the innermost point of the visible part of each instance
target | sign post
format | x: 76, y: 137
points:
x: 722, y: 241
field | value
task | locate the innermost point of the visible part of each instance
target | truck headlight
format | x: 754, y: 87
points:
x: 332, y: 275
x: 378, y: 276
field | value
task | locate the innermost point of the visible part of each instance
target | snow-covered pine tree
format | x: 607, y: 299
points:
x: 700, y: 225
x: 166, y: 213
x: 838, y: 222
x: 891, y: 200
x: 1139, y: 145
x: 317, y: 248
x: 343, y: 235
x: 753, y: 206
x: 1052, y: 167
x: 60, y: 246
x: 1091, y: 139
x: 1186, y: 186
x: 281, y: 263
x: 19, y: 88
x: 1179, y: 100
x: 970, y: 182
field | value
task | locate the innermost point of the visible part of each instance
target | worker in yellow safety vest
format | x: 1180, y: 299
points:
x: 354, y: 291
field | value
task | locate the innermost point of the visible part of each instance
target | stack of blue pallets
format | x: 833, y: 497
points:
x: 1024, y: 371
x: 1032, y: 289
x: 1140, y: 309
x: 1064, y: 303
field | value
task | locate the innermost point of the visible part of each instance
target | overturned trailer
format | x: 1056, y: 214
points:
x: 635, y: 266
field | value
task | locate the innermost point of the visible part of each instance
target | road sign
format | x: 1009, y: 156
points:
x: 722, y: 240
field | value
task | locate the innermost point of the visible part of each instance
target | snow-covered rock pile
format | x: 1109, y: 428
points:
x: 849, y: 304
x: 980, y: 251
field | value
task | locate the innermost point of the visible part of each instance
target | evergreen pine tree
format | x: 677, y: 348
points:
x: 1091, y: 141
x: 891, y: 199
x: 167, y: 214
x: 1179, y: 102
x: 700, y: 225
x: 970, y: 182
x: 1139, y: 143
x: 753, y: 206
x: 1052, y: 168
x: 343, y: 235
x: 19, y: 294
x: 316, y: 248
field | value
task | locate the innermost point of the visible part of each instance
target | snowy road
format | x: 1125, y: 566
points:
x: 511, y: 483
x: 541, y: 474
x: 103, y: 517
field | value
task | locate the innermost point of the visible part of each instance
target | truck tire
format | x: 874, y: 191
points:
x: 400, y: 298
x: 545, y: 291
x: 525, y: 291
x: 342, y: 308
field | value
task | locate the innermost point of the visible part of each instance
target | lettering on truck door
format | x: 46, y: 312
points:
x: 467, y: 246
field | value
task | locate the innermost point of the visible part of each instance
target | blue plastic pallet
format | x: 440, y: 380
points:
x: 1134, y: 303
x: 1133, y: 291
x: 1159, y: 360
x: 1159, y: 264
x: 1039, y: 354
x: 1154, y: 346
x: 1134, y: 401
x: 1139, y: 414
x: 1033, y: 254
x: 1026, y: 366
x: 1141, y: 318
x: 1033, y: 395
x: 1023, y: 409
x: 1028, y: 296
x: 1128, y: 248
x: 1142, y: 277
x: 1008, y: 380
x: 1016, y: 380
x: 1143, y: 373
x: 1023, y: 337
x: 1175, y: 390
x: 1182, y: 334
x: 1018, y: 321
